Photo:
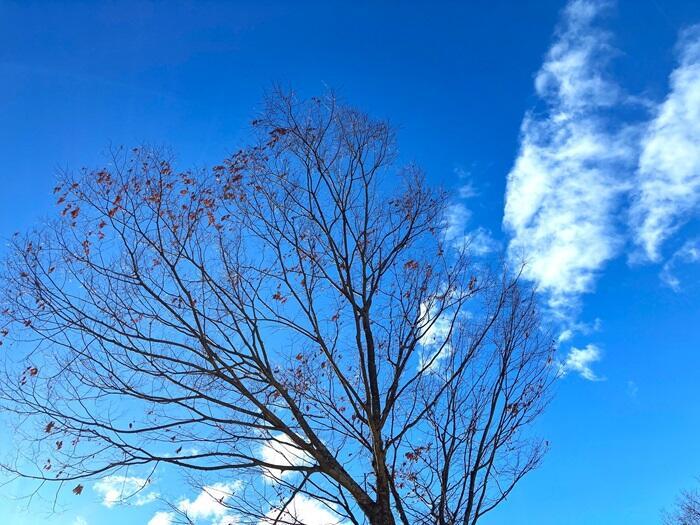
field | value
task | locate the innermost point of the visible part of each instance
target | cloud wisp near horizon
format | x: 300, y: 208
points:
x: 589, y: 185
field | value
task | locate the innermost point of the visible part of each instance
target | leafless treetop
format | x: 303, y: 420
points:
x: 298, y: 297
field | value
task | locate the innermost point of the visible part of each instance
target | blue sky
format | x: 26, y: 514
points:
x: 572, y: 131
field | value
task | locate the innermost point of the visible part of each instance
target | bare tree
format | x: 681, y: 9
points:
x: 686, y: 511
x: 290, y: 319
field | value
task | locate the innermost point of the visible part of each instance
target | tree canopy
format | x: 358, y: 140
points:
x: 291, y: 319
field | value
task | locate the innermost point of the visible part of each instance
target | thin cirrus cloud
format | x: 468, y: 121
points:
x: 210, y: 503
x: 436, y: 328
x: 579, y: 360
x: 120, y: 489
x: 566, y: 184
x: 669, y: 164
x: 456, y: 218
x: 302, y: 509
x: 210, y: 506
x: 686, y: 254
x: 280, y: 451
x: 478, y: 241
x: 161, y: 518
x: 580, y: 169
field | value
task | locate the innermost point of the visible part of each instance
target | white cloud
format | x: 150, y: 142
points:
x: 688, y: 253
x: 564, y: 189
x: 480, y: 242
x: 467, y: 190
x: 228, y: 519
x: 477, y: 242
x: 581, y: 170
x: 565, y: 335
x: 435, y: 328
x: 669, y: 164
x: 280, y: 451
x: 79, y: 520
x: 302, y: 510
x: 579, y: 360
x: 210, y: 503
x: 574, y: 329
x: 161, y: 518
x: 456, y: 218
x: 572, y: 73
x: 122, y: 489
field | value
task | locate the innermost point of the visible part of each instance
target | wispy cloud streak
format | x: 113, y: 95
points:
x: 686, y: 254
x: 121, y: 489
x: 210, y: 503
x: 669, y: 165
x: 579, y: 360
x: 566, y: 182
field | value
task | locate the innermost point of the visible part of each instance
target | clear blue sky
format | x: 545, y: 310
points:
x: 458, y: 79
